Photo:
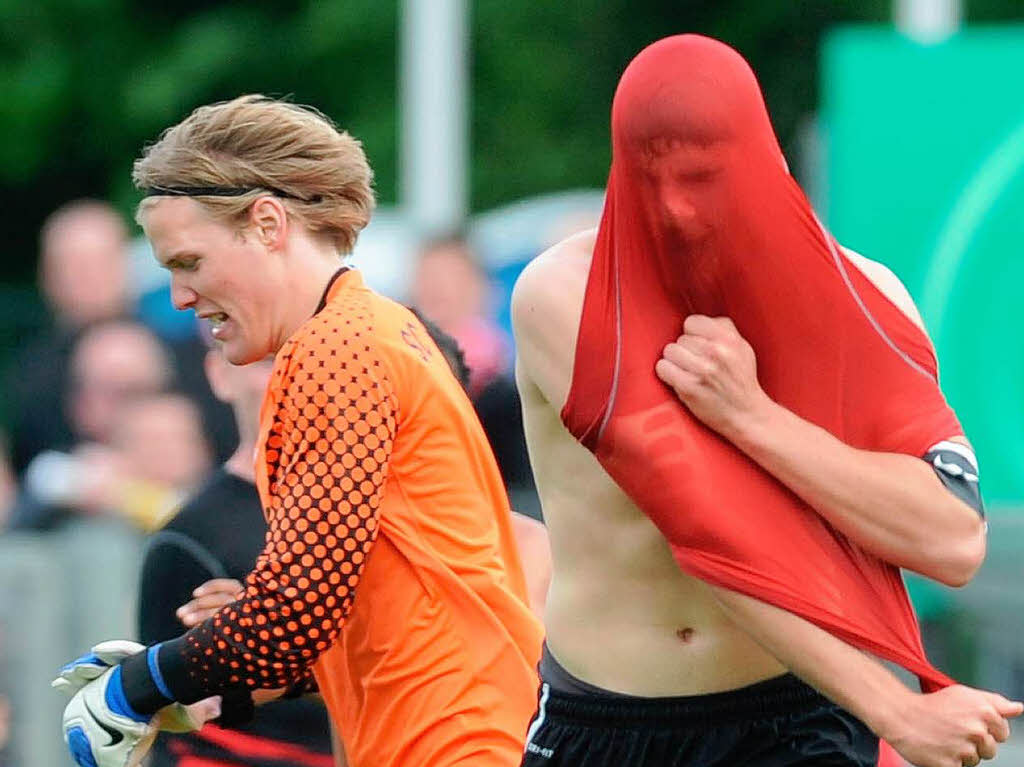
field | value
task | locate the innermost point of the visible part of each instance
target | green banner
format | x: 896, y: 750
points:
x: 925, y: 173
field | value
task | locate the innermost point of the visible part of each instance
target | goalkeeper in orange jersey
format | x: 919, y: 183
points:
x: 389, y: 573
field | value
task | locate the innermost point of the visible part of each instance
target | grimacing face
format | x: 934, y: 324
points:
x: 223, y: 273
x: 687, y: 180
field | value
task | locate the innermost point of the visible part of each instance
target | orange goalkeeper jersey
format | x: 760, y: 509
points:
x: 390, y: 564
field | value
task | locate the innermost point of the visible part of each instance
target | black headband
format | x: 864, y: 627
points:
x: 216, y: 191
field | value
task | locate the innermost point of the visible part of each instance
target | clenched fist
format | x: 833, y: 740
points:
x: 713, y: 371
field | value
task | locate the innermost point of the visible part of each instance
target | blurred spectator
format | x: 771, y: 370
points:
x: 161, y: 440
x: 218, y: 423
x: 161, y: 455
x: 83, y: 277
x: 112, y: 364
x: 83, y: 268
x: 501, y: 415
x: 453, y: 290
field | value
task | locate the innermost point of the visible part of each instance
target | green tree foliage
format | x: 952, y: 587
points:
x: 86, y: 83
x: 545, y: 74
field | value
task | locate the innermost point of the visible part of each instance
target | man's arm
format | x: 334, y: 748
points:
x: 890, y: 504
x: 330, y: 456
x: 535, y: 555
x: 955, y: 726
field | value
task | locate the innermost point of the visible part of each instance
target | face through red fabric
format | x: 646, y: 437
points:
x: 702, y: 216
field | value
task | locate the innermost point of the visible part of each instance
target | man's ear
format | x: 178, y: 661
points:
x: 269, y: 221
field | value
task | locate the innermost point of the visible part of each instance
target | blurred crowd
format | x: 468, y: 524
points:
x: 105, y: 415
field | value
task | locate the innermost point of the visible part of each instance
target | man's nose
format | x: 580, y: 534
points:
x: 182, y: 296
x: 679, y: 207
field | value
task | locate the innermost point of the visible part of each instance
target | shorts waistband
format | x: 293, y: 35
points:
x: 780, y: 695
x: 562, y: 680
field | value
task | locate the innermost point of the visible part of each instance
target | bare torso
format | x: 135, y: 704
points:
x: 620, y: 613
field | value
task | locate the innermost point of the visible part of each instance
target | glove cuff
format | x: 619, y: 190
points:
x: 142, y: 691
x: 117, y: 702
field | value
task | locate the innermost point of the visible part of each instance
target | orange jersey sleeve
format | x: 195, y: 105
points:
x: 329, y: 422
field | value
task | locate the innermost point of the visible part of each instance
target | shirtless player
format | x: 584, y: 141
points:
x: 645, y: 665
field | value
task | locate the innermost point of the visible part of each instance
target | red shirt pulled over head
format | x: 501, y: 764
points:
x: 702, y: 217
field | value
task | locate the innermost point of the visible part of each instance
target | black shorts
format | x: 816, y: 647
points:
x: 781, y: 722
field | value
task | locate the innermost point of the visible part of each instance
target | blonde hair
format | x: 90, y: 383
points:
x: 255, y: 145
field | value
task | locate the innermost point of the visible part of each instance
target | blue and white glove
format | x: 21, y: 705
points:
x: 80, y: 680
x: 101, y: 729
x: 79, y: 672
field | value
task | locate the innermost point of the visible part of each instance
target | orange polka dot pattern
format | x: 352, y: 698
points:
x: 327, y: 457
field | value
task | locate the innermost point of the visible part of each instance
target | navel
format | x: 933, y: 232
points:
x: 685, y: 635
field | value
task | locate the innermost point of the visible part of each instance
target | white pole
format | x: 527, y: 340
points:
x: 434, y: 135
x: 928, y: 21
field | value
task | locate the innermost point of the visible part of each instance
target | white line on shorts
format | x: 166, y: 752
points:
x: 545, y: 690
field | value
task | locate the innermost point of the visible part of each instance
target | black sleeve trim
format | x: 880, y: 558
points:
x: 957, y: 469
x: 139, y: 687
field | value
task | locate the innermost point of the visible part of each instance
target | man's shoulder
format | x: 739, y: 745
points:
x: 355, y: 317
x: 346, y: 329
x: 547, y: 304
x: 360, y: 338
x: 547, y: 281
x: 565, y: 257
x: 887, y: 283
x: 220, y: 497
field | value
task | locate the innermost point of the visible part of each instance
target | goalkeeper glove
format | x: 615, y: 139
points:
x: 104, y: 656
x: 101, y: 729
x: 79, y: 672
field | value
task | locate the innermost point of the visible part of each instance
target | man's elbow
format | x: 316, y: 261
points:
x: 960, y: 559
